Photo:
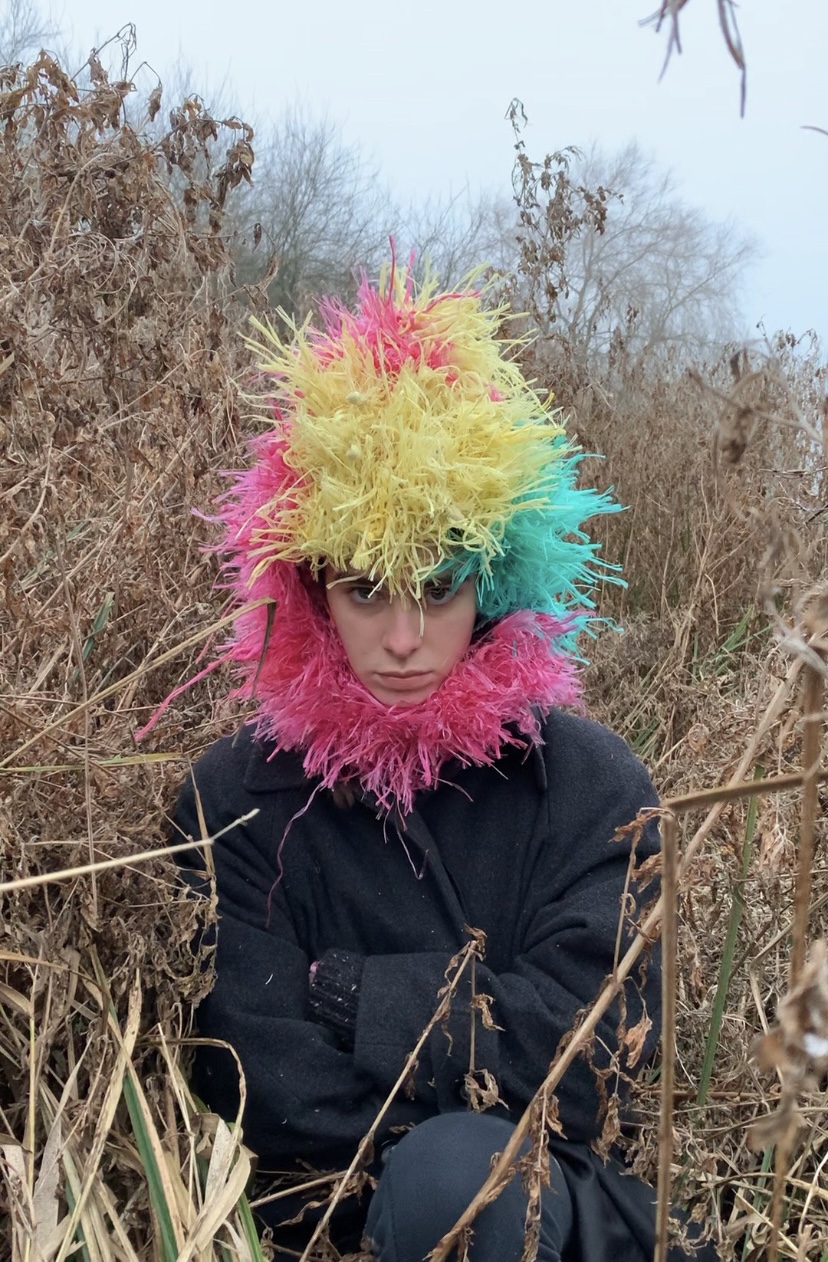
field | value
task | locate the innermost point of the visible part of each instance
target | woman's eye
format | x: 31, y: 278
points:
x: 438, y: 594
x: 367, y: 594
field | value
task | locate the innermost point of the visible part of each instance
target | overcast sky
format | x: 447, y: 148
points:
x: 423, y: 87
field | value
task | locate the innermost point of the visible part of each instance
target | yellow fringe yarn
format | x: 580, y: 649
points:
x: 402, y: 465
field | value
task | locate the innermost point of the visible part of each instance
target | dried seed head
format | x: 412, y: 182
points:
x: 797, y: 1046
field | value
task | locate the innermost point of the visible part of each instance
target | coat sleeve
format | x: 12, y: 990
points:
x: 304, y: 1094
x: 566, y: 954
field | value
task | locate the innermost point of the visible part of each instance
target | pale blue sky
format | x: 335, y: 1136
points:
x: 424, y: 88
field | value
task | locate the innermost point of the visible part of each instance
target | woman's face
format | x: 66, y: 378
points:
x: 401, y: 650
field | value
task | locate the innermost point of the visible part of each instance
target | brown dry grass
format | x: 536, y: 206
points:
x: 118, y: 408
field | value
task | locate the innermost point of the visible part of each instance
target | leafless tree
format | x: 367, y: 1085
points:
x: 661, y: 275
x: 454, y: 235
x: 317, y: 213
x: 23, y: 31
x: 614, y: 261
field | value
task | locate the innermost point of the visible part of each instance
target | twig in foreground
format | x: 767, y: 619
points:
x: 669, y: 894
x: 811, y: 749
x: 123, y: 861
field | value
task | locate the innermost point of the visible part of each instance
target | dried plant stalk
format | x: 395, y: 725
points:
x: 811, y: 749
x: 669, y: 940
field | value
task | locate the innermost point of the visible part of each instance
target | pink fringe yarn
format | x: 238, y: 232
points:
x: 309, y: 699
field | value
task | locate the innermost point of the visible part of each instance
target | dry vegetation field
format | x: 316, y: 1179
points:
x: 120, y: 364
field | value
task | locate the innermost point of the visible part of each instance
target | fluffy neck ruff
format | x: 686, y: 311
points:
x: 309, y: 699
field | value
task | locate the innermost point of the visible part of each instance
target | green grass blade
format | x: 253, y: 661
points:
x: 71, y: 1201
x: 155, y: 1183
x: 726, y: 966
x: 761, y: 1190
x: 251, y: 1234
x: 98, y: 625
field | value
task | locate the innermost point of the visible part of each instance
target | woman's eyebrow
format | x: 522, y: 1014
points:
x: 353, y: 580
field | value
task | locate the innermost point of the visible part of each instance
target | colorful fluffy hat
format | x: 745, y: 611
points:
x: 405, y: 444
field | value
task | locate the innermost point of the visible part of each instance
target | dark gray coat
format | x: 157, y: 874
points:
x: 523, y: 852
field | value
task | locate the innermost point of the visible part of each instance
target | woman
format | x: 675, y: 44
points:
x: 412, y: 520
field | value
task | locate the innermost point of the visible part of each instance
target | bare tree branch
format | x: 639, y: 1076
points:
x: 652, y: 276
x: 23, y: 31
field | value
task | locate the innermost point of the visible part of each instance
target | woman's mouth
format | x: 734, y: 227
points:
x: 406, y: 680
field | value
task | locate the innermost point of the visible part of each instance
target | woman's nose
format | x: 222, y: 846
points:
x: 403, y: 631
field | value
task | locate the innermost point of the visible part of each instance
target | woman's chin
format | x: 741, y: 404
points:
x: 403, y: 700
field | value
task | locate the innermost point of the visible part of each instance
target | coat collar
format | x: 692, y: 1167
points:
x: 270, y: 769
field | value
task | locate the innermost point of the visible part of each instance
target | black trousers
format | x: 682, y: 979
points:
x: 591, y: 1212
x: 432, y: 1175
